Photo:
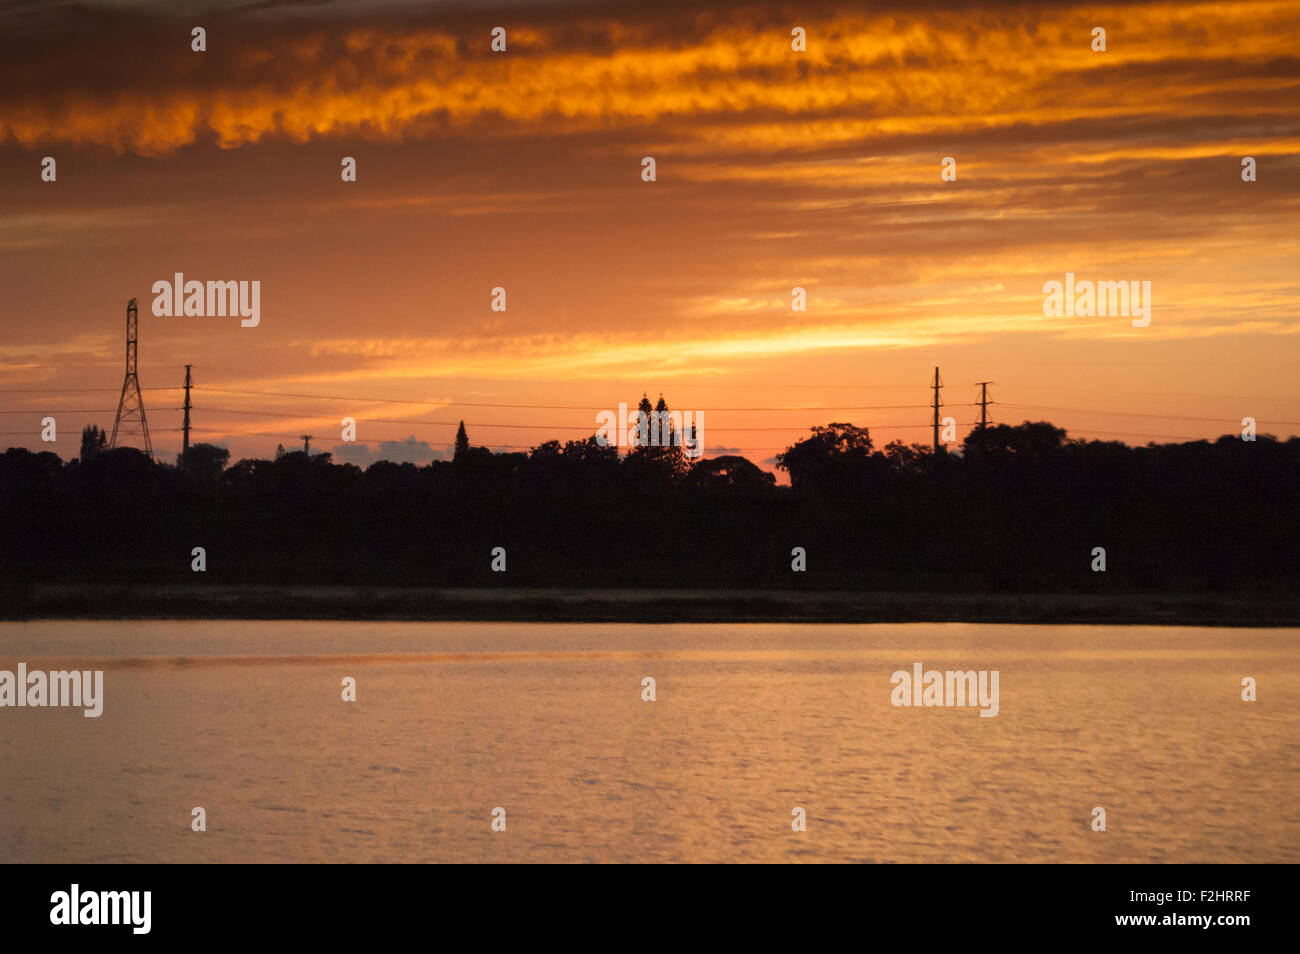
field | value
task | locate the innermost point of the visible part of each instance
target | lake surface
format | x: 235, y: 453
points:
x: 452, y: 720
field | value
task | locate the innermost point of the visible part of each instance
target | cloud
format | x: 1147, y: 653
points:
x: 775, y: 169
x: 399, y: 452
x: 926, y: 71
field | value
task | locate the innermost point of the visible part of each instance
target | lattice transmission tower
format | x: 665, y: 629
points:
x: 130, y: 407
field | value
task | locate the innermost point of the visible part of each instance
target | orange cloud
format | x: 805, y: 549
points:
x: 900, y: 74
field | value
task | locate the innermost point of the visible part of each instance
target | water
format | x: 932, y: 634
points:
x: 546, y: 720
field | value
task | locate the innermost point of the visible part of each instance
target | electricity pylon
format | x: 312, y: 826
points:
x: 130, y: 407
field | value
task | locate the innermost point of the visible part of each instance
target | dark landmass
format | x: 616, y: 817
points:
x: 641, y: 605
x: 1008, y: 528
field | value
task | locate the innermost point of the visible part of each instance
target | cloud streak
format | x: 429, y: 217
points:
x: 897, y: 73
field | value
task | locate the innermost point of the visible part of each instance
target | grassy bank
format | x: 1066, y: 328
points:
x: 641, y: 605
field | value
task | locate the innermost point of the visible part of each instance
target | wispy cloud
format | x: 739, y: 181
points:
x: 895, y: 73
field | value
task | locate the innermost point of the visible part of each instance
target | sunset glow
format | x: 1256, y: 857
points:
x: 775, y: 169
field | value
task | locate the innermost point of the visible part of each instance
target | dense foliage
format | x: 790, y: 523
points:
x: 1016, y: 508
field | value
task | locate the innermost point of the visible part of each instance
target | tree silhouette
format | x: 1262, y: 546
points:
x: 906, y: 458
x: 732, y: 473
x: 832, y: 461
x: 1016, y: 508
x: 93, y: 441
x: 462, y: 443
x: 639, y: 436
x: 204, y: 461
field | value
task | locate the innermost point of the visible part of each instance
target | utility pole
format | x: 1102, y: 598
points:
x: 185, y: 424
x: 130, y: 406
x: 984, y: 402
x: 937, y: 404
x: 306, y: 445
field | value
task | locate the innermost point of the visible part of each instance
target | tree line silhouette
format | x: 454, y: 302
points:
x: 1014, y: 509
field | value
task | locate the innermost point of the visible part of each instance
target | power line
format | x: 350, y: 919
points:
x: 679, y: 384
x: 548, y: 407
x: 534, y: 427
x: 590, y: 407
x: 215, y: 430
x: 318, y: 414
x: 64, y: 410
x: 72, y: 390
x: 70, y: 436
x: 1162, y: 437
x: 416, y: 442
x: 379, y: 420
x: 75, y: 410
x: 1167, y: 417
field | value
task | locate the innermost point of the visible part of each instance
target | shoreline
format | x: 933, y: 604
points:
x: 632, y: 605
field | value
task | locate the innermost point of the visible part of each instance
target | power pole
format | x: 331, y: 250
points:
x: 130, y: 406
x: 984, y: 402
x: 185, y: 425
x: 306, y: 445
x: 937, y: 404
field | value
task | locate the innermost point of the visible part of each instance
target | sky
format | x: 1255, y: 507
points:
x: 774, y: 169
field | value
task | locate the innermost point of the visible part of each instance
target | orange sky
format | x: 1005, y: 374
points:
x: 775, y: 168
